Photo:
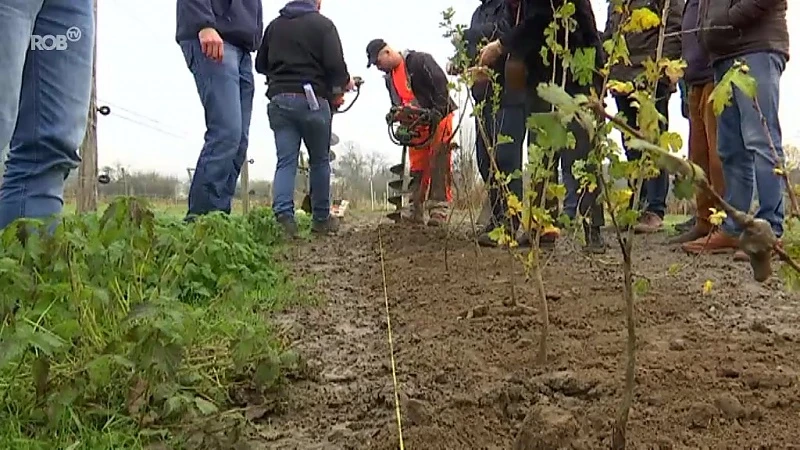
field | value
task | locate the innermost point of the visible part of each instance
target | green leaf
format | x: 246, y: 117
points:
x: 205, y: 406
x: 683, y: 188
x: 40, y: 371
x: 46, y: 342
x: 550, y: 132
x: 745, y: 82
x: 267, y: 372
x: 504, y: 139
x: 641, y: 286
x: 583, y: 65
x: 556, y: 191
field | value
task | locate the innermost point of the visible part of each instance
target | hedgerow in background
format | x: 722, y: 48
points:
x: 120, y: 326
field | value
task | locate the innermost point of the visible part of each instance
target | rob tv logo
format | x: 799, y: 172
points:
x: 55, y: 42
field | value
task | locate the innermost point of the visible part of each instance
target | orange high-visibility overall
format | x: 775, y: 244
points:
x: 420, y: 157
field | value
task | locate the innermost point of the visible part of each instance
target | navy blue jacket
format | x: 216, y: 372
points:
x: 698, y: 64
x: 488, y: 22
x: 238, y: 22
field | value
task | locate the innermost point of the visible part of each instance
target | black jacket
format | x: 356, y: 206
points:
x: 526, y: 39
x: 733, y: 28
x: 644, y: 45
x: 698, y: 65
x: 489, y: 21
x: 428, y: 83
x: 302, y: 46
x: 238, y: 22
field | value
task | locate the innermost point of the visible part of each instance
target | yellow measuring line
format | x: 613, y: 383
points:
x: 391, y: 343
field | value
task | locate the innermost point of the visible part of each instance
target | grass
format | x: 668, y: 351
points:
x: 130, y: 327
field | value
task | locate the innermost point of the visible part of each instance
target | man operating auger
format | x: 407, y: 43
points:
x: 414, y: 79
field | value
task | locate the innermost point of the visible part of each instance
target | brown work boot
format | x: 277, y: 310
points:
x: 649, y: 223
x: 715, y: 243
x: 437, y: 213
x: 693, y: 234
x: 412, y: 214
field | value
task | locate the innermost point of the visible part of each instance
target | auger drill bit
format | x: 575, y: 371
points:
x: 400, y: 186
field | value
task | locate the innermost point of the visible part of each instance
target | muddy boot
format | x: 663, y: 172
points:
x: 437, y: 213
x: 594, y: 240
x: 289, y: 225
x: 549, y: 236
x: 413, y: 214
x: 698, y: 232
x: 329, y: 226
x: 649, y: 223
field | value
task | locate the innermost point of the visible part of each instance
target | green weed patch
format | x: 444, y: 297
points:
x: 125, y: 328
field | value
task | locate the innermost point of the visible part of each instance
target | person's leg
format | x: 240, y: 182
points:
x: 767, y: 69
x: 699, y: 153
x: 629, y: 112
x: 285, y: 118
x: 737, y: 168
x: 484, y: 130
x: 53, y: 95
x: 218, y: 85
x: 441, y: 173
x: 572, y: 185
x: 316, y: 133
x: 246, y: 94
x: 658, y: 187
x: 17, y: 19
x: 509, y: 121
x: 715, y: 174
x: 589, y: 208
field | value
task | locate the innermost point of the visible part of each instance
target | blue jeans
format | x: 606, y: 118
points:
x: 226, y: 91
x: 485, y: 122
x: 654, y: 190
x: 44, y: 102
x: 743, y: 144
x: 293, y: 121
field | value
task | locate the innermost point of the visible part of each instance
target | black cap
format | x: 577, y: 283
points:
x: 373, y: 49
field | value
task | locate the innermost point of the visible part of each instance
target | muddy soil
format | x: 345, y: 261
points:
x: 714, y: 370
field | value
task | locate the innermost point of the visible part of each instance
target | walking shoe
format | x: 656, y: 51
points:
x: 328, y: 226
x: 289, y: 225
x: 683, y: 227
x: 715, y: 243
x: 649, y: 223
x: 437, y: 213
x: 691, y: 235
x: 594, y: 240
x: 547, y: 239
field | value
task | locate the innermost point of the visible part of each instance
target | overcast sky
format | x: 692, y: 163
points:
x: 157, y: 120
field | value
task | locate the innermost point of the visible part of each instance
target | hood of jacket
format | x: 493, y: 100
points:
x: 297, y: 8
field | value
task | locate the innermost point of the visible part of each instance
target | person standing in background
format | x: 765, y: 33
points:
x: 755, y: 32
x: 217, y: 38
x: 525, y: 69
x: 488, y: 21
x: 641, y: 46
x: 699, y: 80
x: 45, y: 97
x: 415, y: 78
x: 301, y: 56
